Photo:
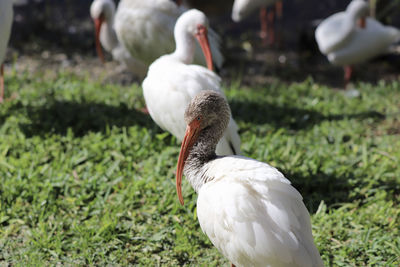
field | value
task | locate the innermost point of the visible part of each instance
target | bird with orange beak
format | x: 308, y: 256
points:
x: 247, y: 208
x: 172, y: 81
x: 146, y: 30
x: 102, y: 13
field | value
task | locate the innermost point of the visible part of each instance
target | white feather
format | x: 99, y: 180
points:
x: 254, y: 216
x: 169, y: 87
x: 6, y: 17
x: 243, y: 8
x: 109, y: 40
x: 344, y: 43
x: 146, y: 29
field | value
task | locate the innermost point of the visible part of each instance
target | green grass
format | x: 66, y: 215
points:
x: 87, y: 179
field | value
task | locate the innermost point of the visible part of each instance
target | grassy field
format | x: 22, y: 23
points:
x: 87, y: 179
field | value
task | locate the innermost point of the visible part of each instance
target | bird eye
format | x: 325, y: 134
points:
x: 198, y: 118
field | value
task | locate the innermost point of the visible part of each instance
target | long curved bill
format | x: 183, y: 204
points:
x: 97, y: 25
x: 202, y: 37
x: 191, y: 135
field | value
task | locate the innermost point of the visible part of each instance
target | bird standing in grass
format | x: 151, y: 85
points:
x: 247, y: 208
x: 172, y: 81
x: 243, y: 8
x: 146, y: 29
x: 349, y: 37
x: 103, y: 13
x: 6, y: 17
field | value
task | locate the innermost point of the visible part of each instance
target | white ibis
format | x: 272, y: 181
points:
x: 243, y: 8
x: 247, y: 208
x: 346, y: 42
x: 102, y: 13
x: 6, y: 17
x: 172, y: 82
x: 146, y: 29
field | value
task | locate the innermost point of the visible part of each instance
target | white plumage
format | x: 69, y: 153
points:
x: 146, y: 29
x: 344, y: 43
x: 6, y: 17
x: 171, y: 84
x: 254, y: 216
x: 243, y: 8
x: 105, y: 10
x: 247, y: 208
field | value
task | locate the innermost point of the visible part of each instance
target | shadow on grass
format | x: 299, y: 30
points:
x: 289, y: 117
x: 334, y: 189
x: 81, y: 118
x: 321, y: 187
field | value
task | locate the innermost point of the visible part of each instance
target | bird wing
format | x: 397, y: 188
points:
x: 132, y: 64
x: 365, y: 43
x: 333, y: 32
x: 145, y: 28
x: 243, y: 8
x: 254, y: 216
x: 230, y: 142
x: 168, y: 89
x: 6, y: 18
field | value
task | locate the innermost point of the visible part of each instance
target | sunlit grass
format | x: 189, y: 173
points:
x: 88, y: 179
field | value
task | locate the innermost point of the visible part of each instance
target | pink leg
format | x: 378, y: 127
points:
x: 362, y: 23
x: 264, y: 24
x: 278, y: 9
x: 348, y: 70
x: 145, y: 110
x: 271, y: 27
x: 1, y: 83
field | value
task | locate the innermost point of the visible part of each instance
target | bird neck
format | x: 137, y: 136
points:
x: 185, y: 47
x: 202, y: 152
x: 357, y: 9
x: 108, y: 37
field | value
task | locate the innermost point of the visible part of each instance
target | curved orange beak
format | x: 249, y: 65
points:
x: 97, y: 27
x: 191, y: 135
x: 202, y: 37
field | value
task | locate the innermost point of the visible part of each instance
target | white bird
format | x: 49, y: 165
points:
x: 345, y: 43
x: 171, y: 82
x: 6, y: 17
x: 247, y: 208
x: 146, y: 29
x: 102, y: 13
x: 244, y: 8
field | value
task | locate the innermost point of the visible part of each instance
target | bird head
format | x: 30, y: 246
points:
x: 195, y: 23
x: 100, y: 11
x: 208, y: 114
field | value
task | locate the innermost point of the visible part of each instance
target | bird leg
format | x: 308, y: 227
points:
x: 1, y: 83
x: 267, y: 33
x: 264, y: 24
x: 278, y: 9
x: 362, y: 23
x: 271, y: 27
x: 145, y: 110
x: 348, y: 70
